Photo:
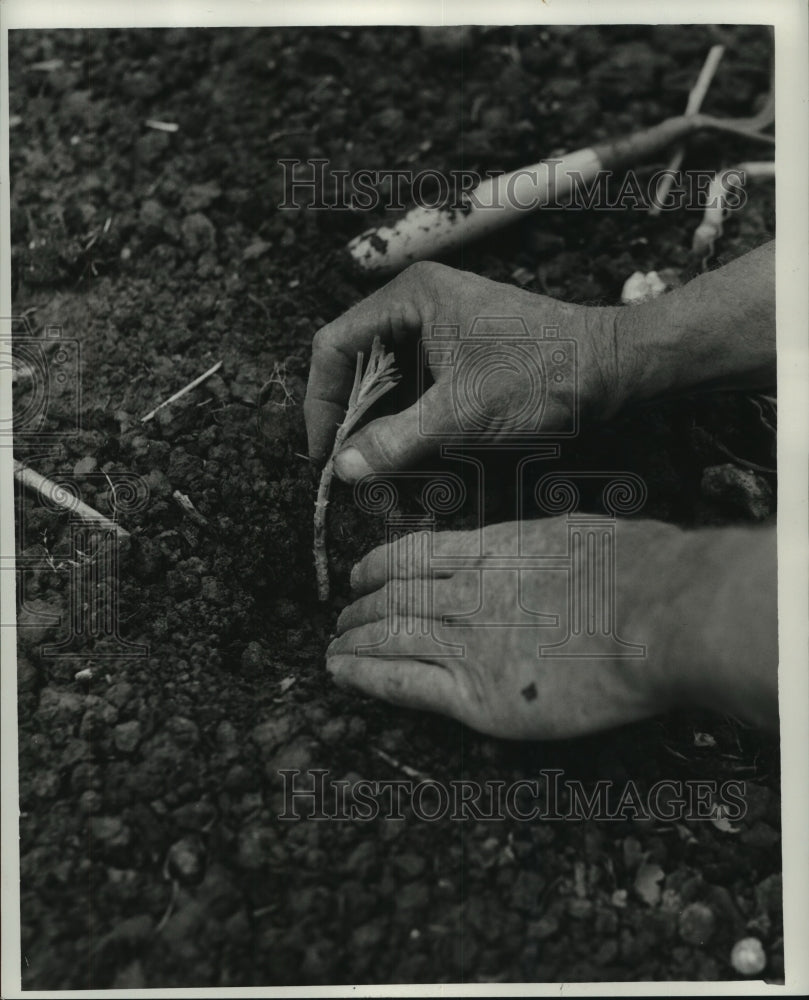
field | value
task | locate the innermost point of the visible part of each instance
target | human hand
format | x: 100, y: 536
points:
x: 683, y: 604
x: 488, y: 386
x: 501, y: 685
x: 718, y: 331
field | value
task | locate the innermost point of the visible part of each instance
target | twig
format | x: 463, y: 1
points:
x: 47, y: 65
x: 256, y: 301
x: 380, y: 376
x: 169, y: 908
x: 161, y: 126
x: 274, y: 136
x: 183, y: 391
x: 695, y: 99
x: 428, y: 232
x: 710, y: 229
x: 188, y: 507
x: 744, y: 462
x: 411, y: 772
x: 770, y: 418
x: 55, y: 494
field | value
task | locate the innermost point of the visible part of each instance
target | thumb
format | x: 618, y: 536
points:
x: 400, y: 441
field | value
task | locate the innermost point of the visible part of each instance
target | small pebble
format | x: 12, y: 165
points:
x: 748, y: 957
x: 697, y: 923
x: 85, y: 466
x: 639, y: 287
x: 185, y: 861
x: 126, y: 736
x: 546, y: 926
x: 198, y: 233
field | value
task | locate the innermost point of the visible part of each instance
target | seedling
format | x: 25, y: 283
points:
x: 380, y: 376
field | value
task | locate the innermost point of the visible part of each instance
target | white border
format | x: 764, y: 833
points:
x: 792, y: 159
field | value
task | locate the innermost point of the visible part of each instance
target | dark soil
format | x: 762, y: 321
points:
x: 152, y: 774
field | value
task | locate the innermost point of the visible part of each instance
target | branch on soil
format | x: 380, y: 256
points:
x: 695, y: 99
x: 427, y: 232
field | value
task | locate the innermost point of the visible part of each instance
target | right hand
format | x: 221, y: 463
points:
x: 424, y: 297
x: 699, y: 608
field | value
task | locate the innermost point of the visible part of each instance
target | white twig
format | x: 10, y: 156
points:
x: 161, y: 126
x: 411, y: 772
x: 695, y: 99
x: 182, y: 392
x: 59, y: 496
x: 185, y: 502
x: 700, y: 88
x: 710, y: 229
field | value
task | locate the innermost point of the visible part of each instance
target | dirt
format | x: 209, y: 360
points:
x: 151, y: 850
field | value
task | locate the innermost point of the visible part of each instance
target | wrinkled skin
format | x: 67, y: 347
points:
x: 501, y: 685
x: 688, y: 597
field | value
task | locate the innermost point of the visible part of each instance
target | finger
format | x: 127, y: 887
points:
x: 368, y: 608
x: 392, y: 313
x: 408, y: 556
x: 400, y: 441
x: 405, y: 682
x: 404, y: 601
x: 330, y: 379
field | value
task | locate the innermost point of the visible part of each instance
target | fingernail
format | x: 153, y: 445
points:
x: 351, y: 466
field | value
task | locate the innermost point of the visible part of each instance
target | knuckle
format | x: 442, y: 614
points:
x: 401, y: 598
x: 357, y: 573
x: 322, y: 340
x: 422, y: 271
x: 424, y: 280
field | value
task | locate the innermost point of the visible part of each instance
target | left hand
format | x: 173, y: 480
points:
x: 501, y: 685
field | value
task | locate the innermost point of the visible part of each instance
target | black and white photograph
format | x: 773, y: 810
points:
x: 392, y: 527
